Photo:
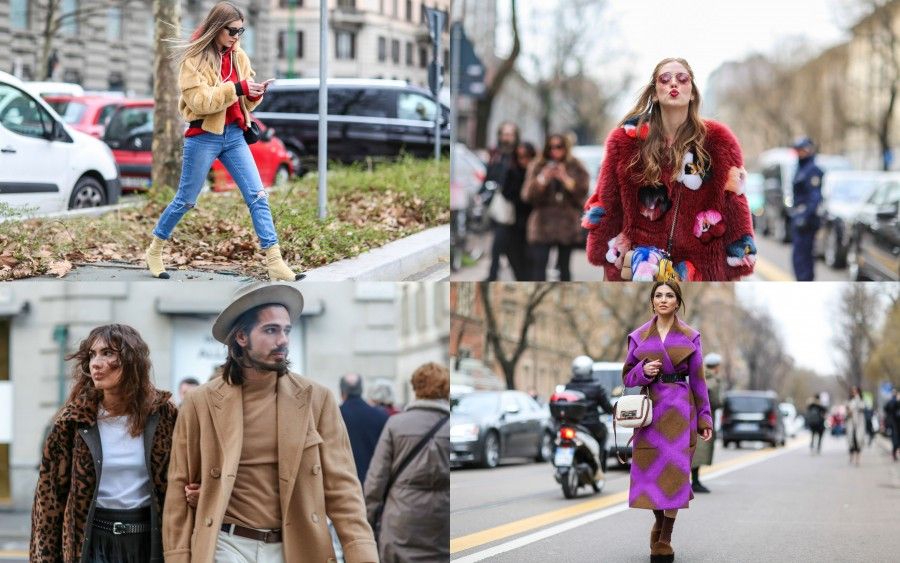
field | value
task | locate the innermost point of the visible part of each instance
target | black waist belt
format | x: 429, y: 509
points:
x: 196, y: 123
x: 673, y: 377
x: 119, y: 528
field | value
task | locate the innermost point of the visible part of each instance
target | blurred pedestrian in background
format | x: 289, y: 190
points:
x: 856, y: 424
x: 892, y: 421
x: 185, y: 386
x: 102, y: 479
x: 804, y: 214
x: 671, y: 179
x: 556, y: 186
x: 703, y: 455
x: 517, y: 249
x: 666, y: 357
x: 363, y: 421
x: 501, y: 159
x: 381, y: 395
x: 815, y: 420
x: 408, y: 484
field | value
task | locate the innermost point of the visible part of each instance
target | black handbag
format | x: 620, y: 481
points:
x: 251, y: 134
x: 376, y: 521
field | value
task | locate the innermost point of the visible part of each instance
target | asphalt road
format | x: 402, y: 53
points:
x: 766, y: 505
x: 773, y: 264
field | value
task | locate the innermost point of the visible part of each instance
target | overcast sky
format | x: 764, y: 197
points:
x: 705, y: 32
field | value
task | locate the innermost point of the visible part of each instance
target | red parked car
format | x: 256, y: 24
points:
x: 87, y: 114
x: 130, y: 135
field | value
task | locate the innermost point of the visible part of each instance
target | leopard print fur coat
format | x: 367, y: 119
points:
x: 67, y: 484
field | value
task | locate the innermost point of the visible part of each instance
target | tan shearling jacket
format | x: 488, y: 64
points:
x: 317, y: 476
x: 204, y: 95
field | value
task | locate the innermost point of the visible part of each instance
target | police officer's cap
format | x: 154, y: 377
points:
x: 804, y: 143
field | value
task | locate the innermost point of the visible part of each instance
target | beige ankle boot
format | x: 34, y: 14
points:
x: 278, y: 270
x: 153, y: 256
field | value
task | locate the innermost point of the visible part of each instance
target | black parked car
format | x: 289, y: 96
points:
x: 487, y: 426
x: 366, y: 118
x: 752, y: 416
x: 844, y: 192
x: 875, y: 248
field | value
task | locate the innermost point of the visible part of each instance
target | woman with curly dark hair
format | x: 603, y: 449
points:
x: 103, y: 470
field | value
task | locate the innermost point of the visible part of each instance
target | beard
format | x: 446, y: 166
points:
x: 263, y: 363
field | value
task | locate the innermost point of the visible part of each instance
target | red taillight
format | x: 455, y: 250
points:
x: 772, y: 418
x: 726, y: 417
x: 567, y: 433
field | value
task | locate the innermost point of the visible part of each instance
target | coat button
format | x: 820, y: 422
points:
x: 315, y: 518
x: 316, y: 469
x: 208, y: 522
x: 215, y: 472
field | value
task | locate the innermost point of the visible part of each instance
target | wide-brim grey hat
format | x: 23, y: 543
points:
x: 253, y: 295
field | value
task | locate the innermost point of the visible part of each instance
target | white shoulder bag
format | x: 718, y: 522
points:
x: 632, y: 411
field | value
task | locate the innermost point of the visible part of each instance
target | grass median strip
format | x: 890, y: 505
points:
x: 367, y: 209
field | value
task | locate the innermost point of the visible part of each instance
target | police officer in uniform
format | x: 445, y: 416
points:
x: 583, y: 380
x: 703, y: 455
x: 804, y: 217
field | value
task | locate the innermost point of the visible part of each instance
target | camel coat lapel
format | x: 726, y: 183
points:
x: 227, y: 406
x: 294, y: 416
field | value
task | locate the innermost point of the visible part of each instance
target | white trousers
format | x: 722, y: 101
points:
x: 235, y: 549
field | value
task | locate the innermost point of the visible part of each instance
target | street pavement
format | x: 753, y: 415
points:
x: 766, y: 504
x: 773, y: 264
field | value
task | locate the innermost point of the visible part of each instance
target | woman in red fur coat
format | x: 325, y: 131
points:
x: 665, y: 165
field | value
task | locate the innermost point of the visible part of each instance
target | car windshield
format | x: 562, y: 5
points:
x: 130, y: 128
x: 748, y: 404
x: 851, y: 190
x: 69, y: 110
x: 477, y: 403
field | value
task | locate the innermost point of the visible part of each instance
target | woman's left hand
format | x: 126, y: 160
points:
x: 706, y: 434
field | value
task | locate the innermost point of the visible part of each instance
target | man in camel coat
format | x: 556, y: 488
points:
x: 269, y: 449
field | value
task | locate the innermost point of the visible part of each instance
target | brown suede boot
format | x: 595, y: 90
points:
x: 661, y: 551
x: 657, y: 526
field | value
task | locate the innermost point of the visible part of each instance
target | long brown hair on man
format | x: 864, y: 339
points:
x: 654, y: 153
x: 135, y: 387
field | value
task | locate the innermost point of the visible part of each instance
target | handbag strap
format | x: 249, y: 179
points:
x: 412, y: 454
x: 674, y: 220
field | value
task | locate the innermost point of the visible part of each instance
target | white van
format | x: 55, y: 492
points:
x: 45, y: 165
x: 778, y: 166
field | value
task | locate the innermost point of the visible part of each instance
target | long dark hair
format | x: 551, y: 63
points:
x: 676, y: 289
x: 233, y: 368
x: 135, y: 387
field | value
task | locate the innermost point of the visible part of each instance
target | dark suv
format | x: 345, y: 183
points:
x: 752, y: 416
x: 366, y: 118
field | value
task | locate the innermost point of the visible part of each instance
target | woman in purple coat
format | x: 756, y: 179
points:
x: 665, y: 355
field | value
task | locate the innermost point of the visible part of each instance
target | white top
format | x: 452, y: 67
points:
x: 124, y: 481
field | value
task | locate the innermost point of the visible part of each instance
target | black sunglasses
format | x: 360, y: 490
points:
x: 232, y: 31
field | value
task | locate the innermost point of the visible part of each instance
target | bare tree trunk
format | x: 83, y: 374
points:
x: 486, y: 102
x: 495, y: 338
x: 167, y: 123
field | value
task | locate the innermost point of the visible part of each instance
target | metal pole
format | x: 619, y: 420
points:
x: 323, y: 109
x: 455, y: 44
x: 438, y: 112
x: 291, y: 38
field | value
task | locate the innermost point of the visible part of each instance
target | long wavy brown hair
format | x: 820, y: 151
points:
x: 135, y: 387
x: 691, y: 135
x: 545, y: 153
x: 203, y: 40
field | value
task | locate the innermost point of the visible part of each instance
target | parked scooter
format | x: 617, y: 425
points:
x: 577, y: 454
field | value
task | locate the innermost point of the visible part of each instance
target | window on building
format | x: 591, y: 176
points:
x: 382, y: 49
x: 70, y: 25
x: 18, y: 14
x: 396, y: 12
x: 409, y: 10
x: 116, y: 83
x: 72, y: 75
x: 345, y: 44
x: 423, y: 57
x: 114, y: 24
x: 347, y: 4
x: 287, y: 3
x: 409, y: 54
x: 395, y: 51
x: 284, y: 45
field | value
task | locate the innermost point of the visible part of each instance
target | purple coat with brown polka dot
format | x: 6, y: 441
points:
x: 662, y: 451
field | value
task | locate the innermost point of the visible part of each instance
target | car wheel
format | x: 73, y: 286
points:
x: 490, y: 454
x: 545, y: 447
x: 282, y: 175
x: 88, y: 192
x: 295, y: 161
x: 834, y: 257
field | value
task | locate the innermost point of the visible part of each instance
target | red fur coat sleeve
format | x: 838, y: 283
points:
x: 603, y: 211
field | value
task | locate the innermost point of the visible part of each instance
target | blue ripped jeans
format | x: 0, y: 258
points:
x: 199, y: 154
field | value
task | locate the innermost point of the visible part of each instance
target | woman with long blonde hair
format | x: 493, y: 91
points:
x: 217, y: 95
x: 671, y: 189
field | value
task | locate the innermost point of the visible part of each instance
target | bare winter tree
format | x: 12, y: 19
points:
x: 857, y: 314
x: 884, y: 362
x: 494, y: 334
x: 167, y: 122
x: 495, y: 80
x: 55, y: 16
x: 767, y: 362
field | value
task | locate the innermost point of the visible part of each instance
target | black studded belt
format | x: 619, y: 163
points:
x: 673, y: 377
x: 119, y: 528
